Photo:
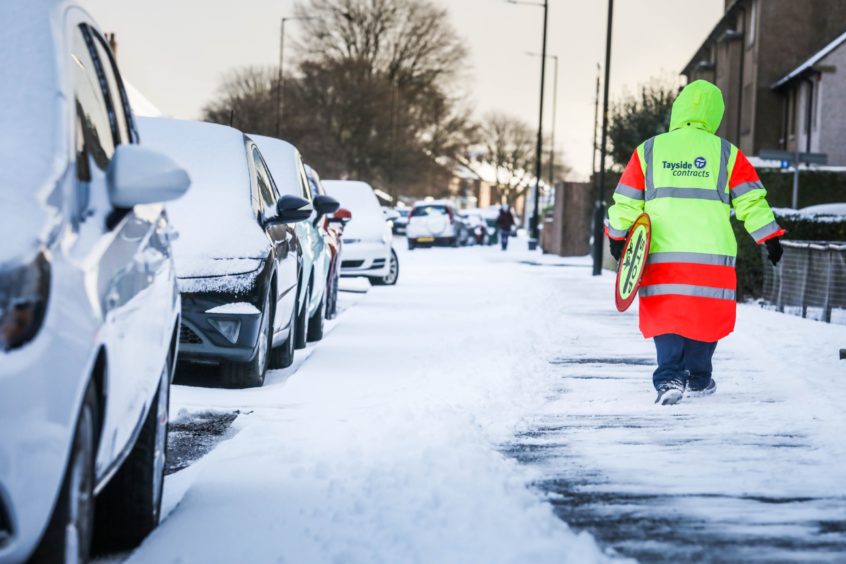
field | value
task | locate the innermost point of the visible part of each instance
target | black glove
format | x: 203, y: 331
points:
x: 774, y: 250
x: 617, y: 248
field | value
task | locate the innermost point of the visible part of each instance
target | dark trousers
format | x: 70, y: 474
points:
x: 684, y: 359
x: 504, y: 234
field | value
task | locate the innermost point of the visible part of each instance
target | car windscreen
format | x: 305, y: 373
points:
x: 428, y: 211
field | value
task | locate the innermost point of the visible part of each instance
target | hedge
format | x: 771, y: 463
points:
x: 799, y: 227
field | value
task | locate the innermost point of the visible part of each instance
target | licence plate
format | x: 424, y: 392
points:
x: 425, y: 239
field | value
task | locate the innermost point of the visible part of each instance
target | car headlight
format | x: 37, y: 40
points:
x: 24, y: 291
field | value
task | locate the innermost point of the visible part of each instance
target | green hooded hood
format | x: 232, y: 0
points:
x: 700, y: 104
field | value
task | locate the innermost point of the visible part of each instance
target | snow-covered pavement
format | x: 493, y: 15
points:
x: 434, y: 418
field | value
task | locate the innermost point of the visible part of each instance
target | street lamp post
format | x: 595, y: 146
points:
x: 280, y: 77
x: 599, y: 212
x: 534, y: 222
x: 554, y: 114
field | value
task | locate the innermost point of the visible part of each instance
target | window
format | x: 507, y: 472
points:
x: 752, y: 23
x: 265, y: 183
x: 117, y: 96
x: 304, y: 180
x: 429, y: 211
x: 94, y: 114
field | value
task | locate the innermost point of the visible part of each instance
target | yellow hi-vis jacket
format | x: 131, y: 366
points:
x: 688, y: 180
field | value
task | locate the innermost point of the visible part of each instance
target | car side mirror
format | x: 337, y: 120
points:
x: 138, y: 175
x: 342, y: 216
x: 324, y: 205
x: 292, y: 209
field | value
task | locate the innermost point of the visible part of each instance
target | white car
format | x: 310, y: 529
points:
x: 89, y: 309
x: 367, y: 249
x: 433, y: 222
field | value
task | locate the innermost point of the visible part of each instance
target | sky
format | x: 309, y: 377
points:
x: 175, y: 52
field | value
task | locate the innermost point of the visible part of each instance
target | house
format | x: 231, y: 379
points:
x: 752, y: 54
x: 814, y: 94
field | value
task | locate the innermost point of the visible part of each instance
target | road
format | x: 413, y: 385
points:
x: 471, y: 412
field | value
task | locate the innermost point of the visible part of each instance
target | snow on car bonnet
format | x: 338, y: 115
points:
x: 368, y: 221
x: 215, y: 220
x: 33, y: 152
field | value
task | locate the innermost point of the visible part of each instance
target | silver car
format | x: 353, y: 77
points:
x: 89, y: 310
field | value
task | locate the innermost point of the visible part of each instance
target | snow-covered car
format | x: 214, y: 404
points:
x: 368, y: 249
x: 400, y: 222
x: 477, y: 227
x: 237, y: 258
x: 89, y: 309
x: 331, y: 230
x: 435, y: 223
x: 286, y: 167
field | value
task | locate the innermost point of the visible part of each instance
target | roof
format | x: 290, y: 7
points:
x: 810, y: 62
x: 716, y: 33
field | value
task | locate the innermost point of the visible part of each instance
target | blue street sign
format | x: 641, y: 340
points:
x: 785, y: 164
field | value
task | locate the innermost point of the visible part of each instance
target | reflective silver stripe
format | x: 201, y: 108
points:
x: 766, y: 231
x: 629, y: 192
x: 686, y: 290
x: 620, y: 234
x: 692, y: 258
x: 723, y: 179
x: 689, y: 193
x: 745, y: 188
x: 650, y: 173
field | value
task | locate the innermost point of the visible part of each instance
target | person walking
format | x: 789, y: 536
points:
x: 505, y: 223
x: 688, y: 180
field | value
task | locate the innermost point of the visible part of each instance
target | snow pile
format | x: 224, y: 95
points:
x: 829, y: 213
x: 382, y: 445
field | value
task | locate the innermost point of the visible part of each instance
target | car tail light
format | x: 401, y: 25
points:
x: 451, y: 215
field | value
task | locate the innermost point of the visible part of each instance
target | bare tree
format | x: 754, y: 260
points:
x: 243, y: 100
x: 410, y: 41
x: 637, y: 117
x: 505, y: 152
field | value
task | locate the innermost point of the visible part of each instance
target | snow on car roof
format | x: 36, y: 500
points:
x: 356, y: 196
x: 282, y: 159
x: 215, y: 218
x: 368, y: 221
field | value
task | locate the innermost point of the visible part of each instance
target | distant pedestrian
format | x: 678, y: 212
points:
x: 688, y: 181
x: 505, y: 223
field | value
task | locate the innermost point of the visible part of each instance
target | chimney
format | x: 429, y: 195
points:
x: 110, y: 37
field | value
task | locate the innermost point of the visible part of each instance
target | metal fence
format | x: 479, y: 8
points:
x: 809, y: 281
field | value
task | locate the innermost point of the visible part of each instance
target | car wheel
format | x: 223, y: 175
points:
x: 302, y: 323
x: 315, y: 322
x: 129, y: 508
x: 69, y: 532
x: 251, y: 374
x: 283, y: 355
x: 390, y: 279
